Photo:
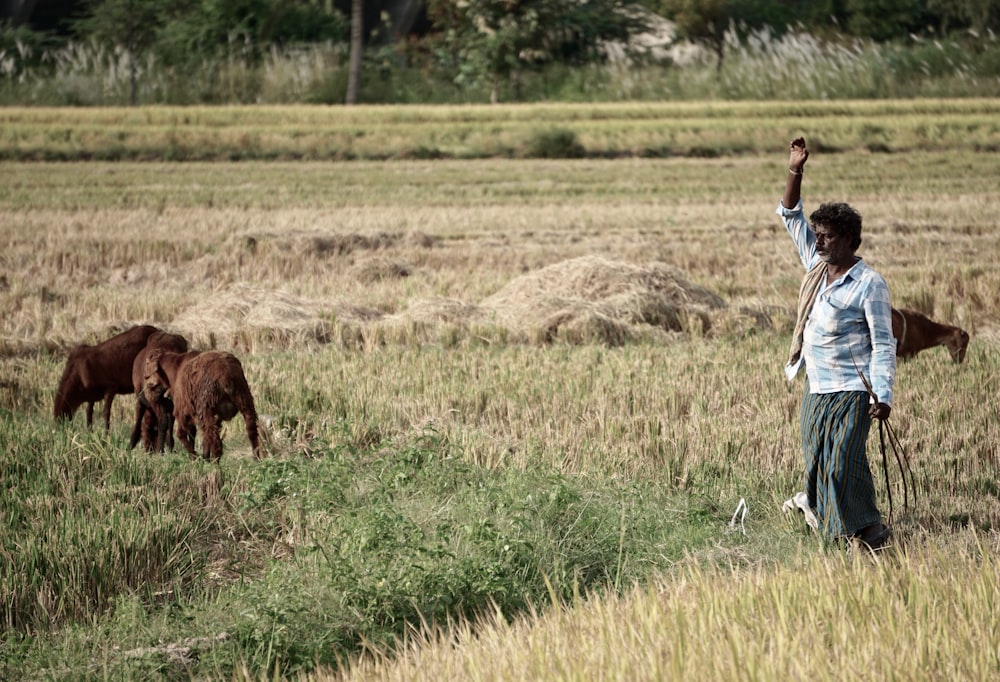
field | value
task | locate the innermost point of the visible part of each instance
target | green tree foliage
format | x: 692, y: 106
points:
x: 246, y: 27
x: 709, y: 22
x: 21, y: 47
x: 810, y: 13
x: 714, y: 22
x: 982, y: 16
x: 883, y: 20
x: 183, y: 30
x: 495, y: 41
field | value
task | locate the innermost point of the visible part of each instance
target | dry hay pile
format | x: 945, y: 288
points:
x: 592, y: 299
x: 242, y: 314
x: 583, y: 300
x: 427, y: 320
x: 373, y: 270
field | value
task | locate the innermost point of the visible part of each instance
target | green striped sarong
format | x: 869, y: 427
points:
x: 838, y: 477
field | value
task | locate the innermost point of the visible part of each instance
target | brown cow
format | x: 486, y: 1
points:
x: 915, y: 332
x: 99, y: 372
x: 208, y: 388
x: 154, y: 426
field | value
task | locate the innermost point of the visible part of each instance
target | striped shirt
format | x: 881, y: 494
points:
x: 850, y: 325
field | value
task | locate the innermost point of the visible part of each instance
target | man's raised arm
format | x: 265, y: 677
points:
x: 796, y: 163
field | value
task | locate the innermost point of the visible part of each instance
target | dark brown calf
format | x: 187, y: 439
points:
x: 915, y: 332
x: 154, y: 426
x: 99, y: 372
x: 207, y: 388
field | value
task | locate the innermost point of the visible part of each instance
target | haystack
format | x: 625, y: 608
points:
x: 595, y: 299
x: 334, y: 244
x: 226, y: 317
x: 429, y: 320
x: 379, y: 269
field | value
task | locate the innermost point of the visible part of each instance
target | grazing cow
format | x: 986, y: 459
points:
x: 915, y: 332
x: 208, y: 388
x: 99, y: 372
x: 154, y: 426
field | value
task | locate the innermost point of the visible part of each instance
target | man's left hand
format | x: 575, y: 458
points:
x: 880, y: 411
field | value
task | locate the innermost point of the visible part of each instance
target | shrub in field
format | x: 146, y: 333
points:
x: 558, y: 143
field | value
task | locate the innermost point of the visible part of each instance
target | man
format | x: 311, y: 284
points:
x: 843, y: 337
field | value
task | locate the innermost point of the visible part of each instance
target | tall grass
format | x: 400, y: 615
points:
x: 761, y: 66
x: 89, y: 74
x: 821, y: 617
x: 297, y: 561
x: 84, y: 528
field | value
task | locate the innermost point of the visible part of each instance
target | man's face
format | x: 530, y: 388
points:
x: 831, y: 247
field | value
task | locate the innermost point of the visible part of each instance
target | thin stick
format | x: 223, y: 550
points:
x: 902, y: 461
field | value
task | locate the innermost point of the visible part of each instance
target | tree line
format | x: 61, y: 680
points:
x: 470, y: 42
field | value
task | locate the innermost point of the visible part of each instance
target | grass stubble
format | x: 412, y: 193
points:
x: 354, y: 293
x: 374, y: 133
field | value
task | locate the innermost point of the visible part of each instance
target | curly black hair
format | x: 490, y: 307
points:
x: 841, y: 218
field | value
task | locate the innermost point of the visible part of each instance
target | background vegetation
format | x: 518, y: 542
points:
x: 456, y: 483
x: 116, y: 52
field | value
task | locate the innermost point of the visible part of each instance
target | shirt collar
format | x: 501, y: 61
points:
x: 853, y: 273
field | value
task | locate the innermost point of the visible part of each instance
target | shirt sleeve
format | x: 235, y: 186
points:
x: 800, y: 231
x: 878, y: 312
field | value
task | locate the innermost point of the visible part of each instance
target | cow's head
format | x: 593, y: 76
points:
x: 957, y: 343
x: 155, y: 384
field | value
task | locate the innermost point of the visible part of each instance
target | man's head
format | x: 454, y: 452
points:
x: 838, y: 233
x: 840, y: 219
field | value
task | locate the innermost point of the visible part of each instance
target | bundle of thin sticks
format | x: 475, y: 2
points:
x: 902, y: 461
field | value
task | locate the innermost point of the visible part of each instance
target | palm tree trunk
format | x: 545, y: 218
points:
x: 133, y: 77
x: 357, y: 45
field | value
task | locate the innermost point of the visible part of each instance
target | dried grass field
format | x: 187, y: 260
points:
x: 611, y: 321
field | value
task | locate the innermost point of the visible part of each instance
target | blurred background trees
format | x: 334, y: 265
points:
x: 185, y: 51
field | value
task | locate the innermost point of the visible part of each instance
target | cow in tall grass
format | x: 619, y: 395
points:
x: 99, y: 372
x: 154, y: 422
x: 915, y: 332
x: 207, y: 388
